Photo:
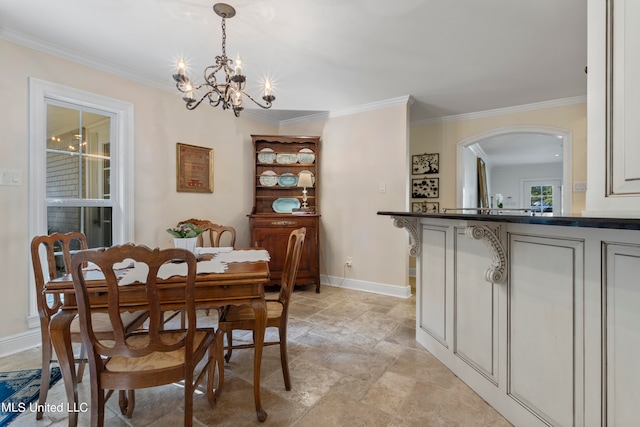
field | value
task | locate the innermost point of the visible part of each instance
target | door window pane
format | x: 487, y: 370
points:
x: 541, y: 198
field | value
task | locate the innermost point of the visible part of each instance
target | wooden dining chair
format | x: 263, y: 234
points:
x: 214, y: 235
x: 144, y: 358
x: 243, y: 317
x: 57, y: 249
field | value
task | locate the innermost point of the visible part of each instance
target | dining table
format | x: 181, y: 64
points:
x: 242, y: 283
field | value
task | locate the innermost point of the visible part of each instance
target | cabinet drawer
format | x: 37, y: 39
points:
x: 291, y: 221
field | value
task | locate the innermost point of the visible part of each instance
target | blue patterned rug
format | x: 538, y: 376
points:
x: 18, y: 389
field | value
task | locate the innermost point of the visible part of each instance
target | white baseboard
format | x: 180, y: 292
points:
x: 20, y: 342
x: 361, y: 285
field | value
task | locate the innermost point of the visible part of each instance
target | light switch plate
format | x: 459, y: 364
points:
x: 10, y: 177
x: 580, y: 186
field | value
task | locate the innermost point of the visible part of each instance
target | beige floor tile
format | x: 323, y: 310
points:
x: 389, y: 391
x: 309, y: 382
x: 336, y: 410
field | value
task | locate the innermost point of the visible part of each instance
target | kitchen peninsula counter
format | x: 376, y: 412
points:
x: 539, y: 315
x: 567, y: 221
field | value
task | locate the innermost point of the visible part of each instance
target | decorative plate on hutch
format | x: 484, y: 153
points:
x: 287, y: 179
x: 306, y: 156
x: 287, y: 158
x: 268, y: 178
x: 266, y: 155
x: 285, y: 205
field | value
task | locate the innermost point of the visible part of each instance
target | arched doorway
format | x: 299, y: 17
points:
x: 470, y: 149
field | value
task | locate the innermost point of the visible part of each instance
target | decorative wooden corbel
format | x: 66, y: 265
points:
x: 411, y: 225
x: 497, y: 272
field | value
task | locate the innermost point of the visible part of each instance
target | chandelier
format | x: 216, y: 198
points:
x: 230, y: 89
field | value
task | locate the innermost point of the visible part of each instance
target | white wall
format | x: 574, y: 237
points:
x: 507, y: 180
x: 359, y: 152
x: 470, y: 189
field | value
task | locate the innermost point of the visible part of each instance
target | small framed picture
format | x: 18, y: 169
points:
x: 194, y: 168
x: 425, y: 188
x: 425, y: 164
x: 425, y: 207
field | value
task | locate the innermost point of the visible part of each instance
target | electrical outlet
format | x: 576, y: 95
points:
x: 349, y: 262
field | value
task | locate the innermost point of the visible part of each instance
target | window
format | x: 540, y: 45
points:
x: 542, y: 196
x: 80, y: 166
x: 541, y: 199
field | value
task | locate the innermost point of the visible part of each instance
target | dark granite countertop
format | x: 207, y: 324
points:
x: 565, y: 221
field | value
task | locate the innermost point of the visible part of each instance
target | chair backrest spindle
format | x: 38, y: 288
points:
x: 295, y: 246
x: 55, y: 245
x: 217, y: 234
x: 107, y: 261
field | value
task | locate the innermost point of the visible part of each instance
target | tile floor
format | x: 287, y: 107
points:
x: 354, y: 361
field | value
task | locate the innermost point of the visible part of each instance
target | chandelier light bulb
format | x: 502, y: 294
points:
x: 238, y: 62
x: 181, y: 67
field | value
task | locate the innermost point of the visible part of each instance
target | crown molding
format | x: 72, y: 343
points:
x: 304, y: 119
x: 81, y: 58
x: 401, y: 100
x: 502, y: 111
x: 259, y: 115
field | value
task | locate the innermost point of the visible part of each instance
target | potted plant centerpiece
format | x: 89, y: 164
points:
x: 185, y: 236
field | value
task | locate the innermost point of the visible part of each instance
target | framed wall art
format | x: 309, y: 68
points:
x: 425, y: 164
x: 194, y: 169
x: 422, y: 188
x: 425, y: 207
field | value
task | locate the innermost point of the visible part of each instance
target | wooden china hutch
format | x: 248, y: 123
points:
x: 279, y: 161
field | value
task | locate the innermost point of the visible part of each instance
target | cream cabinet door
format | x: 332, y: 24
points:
x: 613, y: 108
x: 624, y: 89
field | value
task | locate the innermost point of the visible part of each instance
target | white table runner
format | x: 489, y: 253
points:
x: 200, y: 251
x: 250, y: 255
x: 140, y: 270
x: 218, y: 264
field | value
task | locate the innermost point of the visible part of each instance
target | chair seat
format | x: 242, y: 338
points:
x: 101, y: 323
x: 243, y: 312
x: 156, y: 360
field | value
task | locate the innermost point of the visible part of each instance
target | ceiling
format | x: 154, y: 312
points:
x: 522, y: 148
x: 451, y: 57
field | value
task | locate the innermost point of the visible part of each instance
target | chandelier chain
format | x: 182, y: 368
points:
x: 224, y: 36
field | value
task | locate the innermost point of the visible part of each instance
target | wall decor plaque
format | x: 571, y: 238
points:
x: 425, y: 163
x: 425, y: 207
x: 194, y: 169
x: 425, y: 188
